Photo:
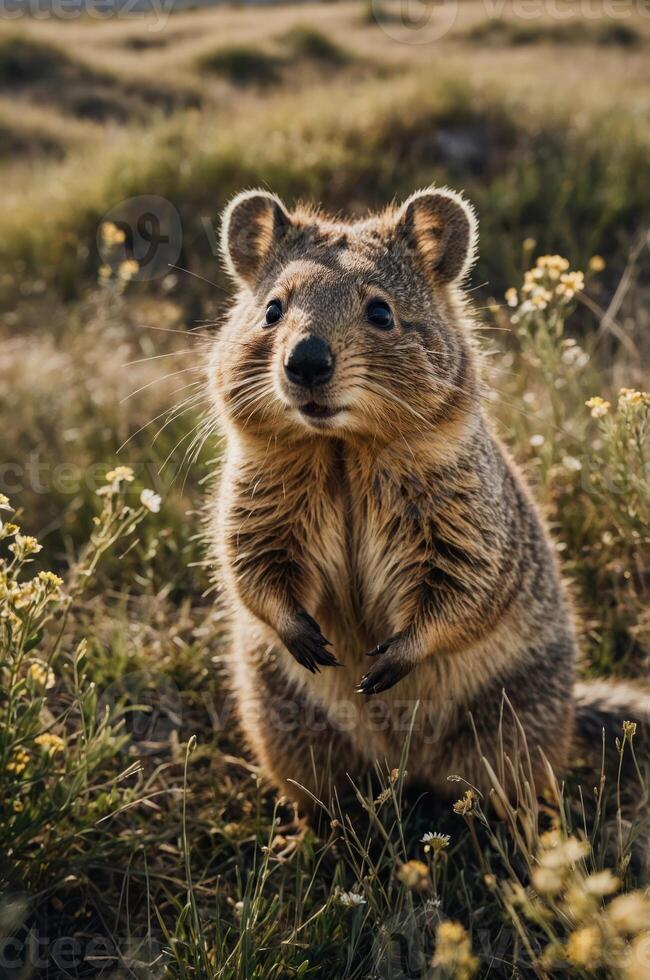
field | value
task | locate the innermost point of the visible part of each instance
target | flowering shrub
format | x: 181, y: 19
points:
x: 55, y: 743
x: 590, y: 453
x: 585, y: 928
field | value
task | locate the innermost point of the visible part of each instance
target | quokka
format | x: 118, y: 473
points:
x: 376, y: 545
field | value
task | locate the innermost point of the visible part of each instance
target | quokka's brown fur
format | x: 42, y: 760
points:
x: 398, y: 527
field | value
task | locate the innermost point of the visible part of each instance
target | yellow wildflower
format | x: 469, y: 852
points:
x: 552, y: 956
x: 583, y: 946
x: 584, y: 896
x: 630, y: 396
x: 128, y: 269
x: 540, y: 299
x: 17, y: 806
x: 466, y: 805
x: 50, y: 743
x: 547, y: 881
x: 570, y: 283
x: 454, y: 951
x: 529, y: 244
x: 22, y: 595
x: 40, y: 675
x: 553, y: 265
x: 597, y: 406
x: 111, y: 234
x: 596, y: 263
x: 50, y: 581
x: 4, y: 502
x: 563, y: 853
x: 534, y: 275
x: 602, y: 883
x: 629, y: 730
x: 629, y: 913
x: 121, y: 474
x: 511, y: 296
x: 25, y: 545
x: 637, y: 959
x: 414, y: 875
x: 19, y: 761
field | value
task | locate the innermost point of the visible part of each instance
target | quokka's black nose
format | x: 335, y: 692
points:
x: 310, y: 363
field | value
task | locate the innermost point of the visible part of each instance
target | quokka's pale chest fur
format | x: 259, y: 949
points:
x: 365, y: 499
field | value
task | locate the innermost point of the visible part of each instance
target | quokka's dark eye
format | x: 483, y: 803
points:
x: 380, y: 314
x: 273, y: 313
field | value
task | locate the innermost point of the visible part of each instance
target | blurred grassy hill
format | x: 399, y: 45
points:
x: 545, y: 127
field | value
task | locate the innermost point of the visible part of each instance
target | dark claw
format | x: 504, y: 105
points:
x: 384, y: 674
x: 309, y: 646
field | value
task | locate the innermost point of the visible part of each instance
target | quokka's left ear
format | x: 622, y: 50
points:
x: 441, y: 229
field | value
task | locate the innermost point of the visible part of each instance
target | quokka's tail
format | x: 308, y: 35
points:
x: 603, y: 706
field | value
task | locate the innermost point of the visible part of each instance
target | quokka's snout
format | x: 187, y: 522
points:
x: 310, y: 362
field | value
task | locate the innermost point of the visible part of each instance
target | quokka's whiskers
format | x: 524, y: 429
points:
x: 254, y: 398
x: 190, y: 403
x: 178, y: 444
x: 251, y: 397
x: 196, y: 431
x: 381, y: 390
x: 193, y: 335
x: 157, y: 357
x: 154, y: 381
x: 246, y: 396
x: 250, y: 384
x: 196, y: 275
x: 249, y: 380
x: 262, y: 395
x: 208, y: 426
x: 198, y: 396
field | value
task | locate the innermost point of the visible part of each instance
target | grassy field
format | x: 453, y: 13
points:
x: 136, y: 836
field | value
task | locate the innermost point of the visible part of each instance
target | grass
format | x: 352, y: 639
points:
x: 141, y: 818
x: 424, y: 128
x: 24, y: 61
x: 249, y: 65
x: 499, y: 31
x: 305, y: 42
x: 243, y: 65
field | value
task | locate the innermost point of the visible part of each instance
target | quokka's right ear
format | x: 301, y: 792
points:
x: 252, y: 224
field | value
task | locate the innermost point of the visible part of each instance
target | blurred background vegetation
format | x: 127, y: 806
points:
x: 544, y: 124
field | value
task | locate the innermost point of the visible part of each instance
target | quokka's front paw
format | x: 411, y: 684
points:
x: 390, y: 668
x: 308, y: 645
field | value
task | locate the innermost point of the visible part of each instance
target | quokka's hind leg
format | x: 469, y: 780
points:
x: 299, y: 749
x: 518, y: 725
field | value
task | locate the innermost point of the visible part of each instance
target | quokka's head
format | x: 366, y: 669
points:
x: 352, y: 330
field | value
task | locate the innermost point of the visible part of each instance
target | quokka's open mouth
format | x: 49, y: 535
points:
x: 315, y: 411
